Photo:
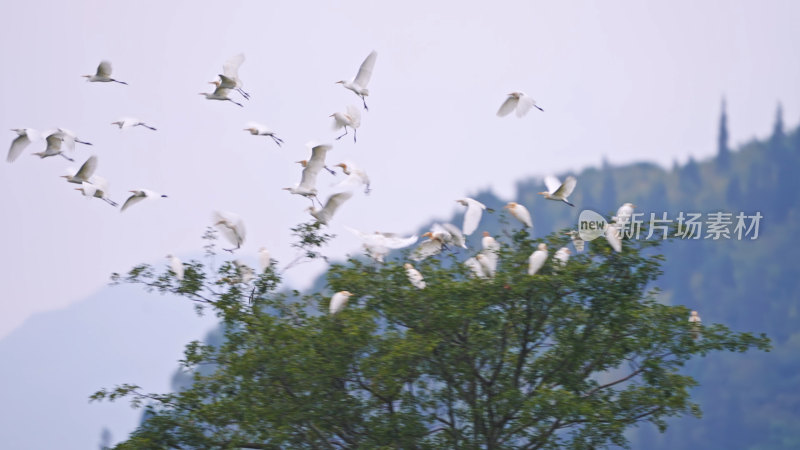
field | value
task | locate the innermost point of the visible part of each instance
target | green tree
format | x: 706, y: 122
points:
x: 568, y: 358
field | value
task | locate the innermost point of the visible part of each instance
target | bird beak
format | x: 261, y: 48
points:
x: 633, y: 205
x: 542, y: 193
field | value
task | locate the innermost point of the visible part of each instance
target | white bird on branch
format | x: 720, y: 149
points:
x: 339, y: 301
x: 520, y: 213
x: 537, y: 259
x: 176, y: 266
x: 414, y: 276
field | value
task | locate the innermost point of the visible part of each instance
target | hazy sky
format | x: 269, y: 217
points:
x: 629, y: 81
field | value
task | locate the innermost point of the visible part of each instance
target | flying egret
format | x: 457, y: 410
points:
x: 311, y: 168
x: 333, y: 203
x: 414, y: 277
x: 352, y: 119
x: 23, y: 139
x: 517, y: 101
x: 69, y: 138
x: 339, y: 300
x: 103, y: 74
x: 130, y: 122
x: 613, y: 237
x: 576, y: 240
x: 520, y: 213
x: 229, y: 78
x: 176, y: 266
x: 449, y: 234
x: 231, y: 226
x: 138, y: 196
x: 562, y: 256
x: 355, y: 177
x: 624, y: 213
x: 84, y: 173
x: 54, y: 141
x: 558, y: 191
x: 694, y: 319
x: 473, y: 215
x: 264, y: 259
x: 379, y: 244
x: 432, y: 246
x: 96, y: 187
x: 537, y: 259
x: 257, y: 129
x: 359, y: 83
x: 220, y: 93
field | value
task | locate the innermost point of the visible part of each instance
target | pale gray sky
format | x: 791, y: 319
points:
x: 627, y: 80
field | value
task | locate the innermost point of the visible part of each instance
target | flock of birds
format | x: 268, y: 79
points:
x: 378, y: 244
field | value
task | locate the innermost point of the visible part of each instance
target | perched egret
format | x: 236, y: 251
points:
x: 311, y: 168
x: 430, y: 247
x: 558, y: 191
x: 355, y: 177
x: 229, y: 78
x: 491, y: 248
x: 414, y: 277
x: 562, y: 256
x: 576, y: 240
x: 331, y: 205
x: 220, y: 93
x: 352, y: 119
x: 379, y: 244
x: 54, y: 141
x: 97, y: 187
x: 176, y: 266
x: 231, y: 226
x: 613, y: 238
x: 130, y: 122
x: 517, y: 101
x: 473, y: 215
x: 476, y: 267
x: 694, y: 319
x: 84, y: 173
x: 245, y: 272
x: 339, y: 300
x: 488, y: 263
x: 138, y: 196
x: 624, y: 213
x: 103, y: 74
x: 520, y: 213
x: 359, y: 83
x: 537, y: 259
x: 23, y: 139
x: 264, y: 259
x: 256, y: 129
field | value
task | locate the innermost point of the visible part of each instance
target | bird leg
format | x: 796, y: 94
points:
x: 277, y: 140
x: 354, y: 135
x: 67, y: 157
x: 146, y: 126
x: 345, y: 133
x: 365, y: 102
x: 120, y: 82
x: 235, y: 103
x: 329, y: 170
x: 82, y: 142
x: 244, y: 94
x: 367, y: 190
x: 570, y: 204
x: 317, y: 199
x: 110, y: 202
x: 537, y: 107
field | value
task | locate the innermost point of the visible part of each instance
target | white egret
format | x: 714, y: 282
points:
x: 488, y: 263
x: 138, y: 196
x: 229, y: 78
x: 130, y: 122
x: 432, y: 246
x: 576, y: 240
x: 359, y: 83
x: 379, y: 244
x: 84, y: 173
x: 23, y: 139
x: 311, y: 168
x: 450, y: 234
x: 520, y: 213
x: 491, y: 249
x: 519, y: 102
x: 613, y: 238
x: 103, y: 74
x: 562, y: 256
x: 245, y: 272
x: 54, y: 141
x: 559, y: 191
x: 355, y: 177
x: 264, y: 259
x: 476, y: 267
x: 257, y: 129
x: 351, y: 118
x: 339, y: 301
x: 624, y: 213
x: 97, y: 187
x: 176, y: 266
x: 694, y: 319
x: 231, y: 226
x: 414, y: 276
x: 537, y: 259
x: 69, y: 138
x: 331, y: 205
x: 220, y: 93
x: 473, y: 215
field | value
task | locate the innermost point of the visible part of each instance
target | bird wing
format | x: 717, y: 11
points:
x: 523, y: 215
x: 507, y: 106
x: 231, y: 226
x: 231, y: 67
x: 565, y: 190
x: 536, y: 261
x: 100, y: 183
x: 524, y: 105
x: 17, y: 147
x: 552, y: 184
x: 104, y: 69
x: 221, y: 92
x: 87, y: 169
x: 355, y: 116
x: 132, y: 200
x: 475, y: 266
x: 365, y: 71
x: 427, y: 248
x: 89, y: 189
x: 395, y: 241
x: 455, y: 234
x: 334, y: 202
x: 472, y: 217
x: 308, y: 181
